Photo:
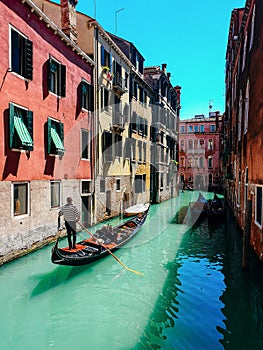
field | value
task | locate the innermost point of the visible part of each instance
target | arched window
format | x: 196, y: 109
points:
x: 182, y: 145
x: 190, y: 144
x: 210, y: 162
x: 210, y: 144
x: 201, y: 162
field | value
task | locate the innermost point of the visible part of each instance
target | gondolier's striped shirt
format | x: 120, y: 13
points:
x: 70, y: 212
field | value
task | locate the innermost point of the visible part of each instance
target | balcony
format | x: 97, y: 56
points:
x: 118, y: 121
x: 119, y: 84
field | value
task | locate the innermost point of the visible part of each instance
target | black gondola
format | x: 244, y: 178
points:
x: 216, y: 207
x: 104, y: 241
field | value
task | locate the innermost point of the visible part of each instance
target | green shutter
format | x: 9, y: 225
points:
x: 49, y: 140
x: 63, y: 80
x: 102, y: 59
x: 11, y: 124
x: 56, y: 139
x: 22, y: 131
x: 28, y: 59
x: 49, y: 73
x: 30, y: 127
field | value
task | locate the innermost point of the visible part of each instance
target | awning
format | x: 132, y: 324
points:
x: 56, y: 139
x: 22, y: 131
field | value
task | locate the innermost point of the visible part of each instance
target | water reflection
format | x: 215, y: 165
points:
x: 208, y: 301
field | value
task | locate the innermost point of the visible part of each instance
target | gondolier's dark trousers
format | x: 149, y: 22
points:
x: 71, y: 229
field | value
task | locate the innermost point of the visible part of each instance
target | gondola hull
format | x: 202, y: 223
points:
x: 100, y: 245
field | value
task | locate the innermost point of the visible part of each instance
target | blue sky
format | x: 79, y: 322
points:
x: 189, y: 35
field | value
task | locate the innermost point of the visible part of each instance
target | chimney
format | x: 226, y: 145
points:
x: 177, y: 89
x: 68, y: 18
x: 169, y: 76
x: 164, y: 65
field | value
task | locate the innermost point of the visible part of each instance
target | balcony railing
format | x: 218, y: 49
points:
x: 119, y: 83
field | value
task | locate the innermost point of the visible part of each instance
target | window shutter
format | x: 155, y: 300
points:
x: 28, y: 59
x: 49, y: 139
x: 61, y: 133
x: 63, y: 80
x: 30, y: 128
x: 102, y: 55
x: 11, y: 124
x: 49, y: 73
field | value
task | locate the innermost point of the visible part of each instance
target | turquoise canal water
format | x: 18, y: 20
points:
x: 193, y: 295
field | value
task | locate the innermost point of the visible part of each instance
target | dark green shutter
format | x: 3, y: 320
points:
x: 11, y: 124
x: 28, y: 59
x: 110, y: 61
x: 30, y: 128
x: 61, y: 132
x: 63, y: 80
x: 91, y: 98
x: 49, y: 139
x: 49, y: 73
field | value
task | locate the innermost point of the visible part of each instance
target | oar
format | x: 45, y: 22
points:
x: 109, y: 251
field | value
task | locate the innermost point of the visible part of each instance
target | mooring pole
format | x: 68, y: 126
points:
x: 246, y: 235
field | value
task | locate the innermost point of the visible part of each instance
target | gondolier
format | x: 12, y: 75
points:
x: 71, y: 216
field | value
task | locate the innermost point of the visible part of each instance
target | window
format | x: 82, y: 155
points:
x: 239, y: 121
x: 144, y: 152
x: 244, y: 53
x: 202, y: 128
x: 85, y: 144
x: 210, y: 162
x: 21, y: 55
x: 102, y: 186
x: 190, y: 144
x: 55, y: 193
x: 201, y: 162
x: 195, y: 144
x: 56, y: 77
x: 139, y: 183
x: 104, y: 99
x: 252, y: 28
x: 107, y: 146
x: 55, y: 145
x: 20, y: 199
x: 202, y: 143
x: 118, y: 184
x: 182, y: 145
x: 239, y: 188
x: 182, y: 128
x: 139, y: 144
x: 85, y: 187
x: 105, y: 58
x: 190, y: 128
x: 118, y: 145
x: 133, y: 149
x: 258, y: 206
x: 87, y: 96
x: 127, y: 148
x: 246, y: 108
x: 210, y: 144
x: 20, y: 128
x: 196, y: 128
x: 212, y: 128
x: 182, y: 161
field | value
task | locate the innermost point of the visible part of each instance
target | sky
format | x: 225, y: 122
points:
x: 190, y: 36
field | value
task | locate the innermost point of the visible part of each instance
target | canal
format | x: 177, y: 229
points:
x: 193, y: 295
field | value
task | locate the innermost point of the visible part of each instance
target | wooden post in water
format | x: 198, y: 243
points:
x: 246, y: 235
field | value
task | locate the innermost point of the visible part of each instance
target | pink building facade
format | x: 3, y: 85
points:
x: 46, y: 125
x: 200, y: 142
